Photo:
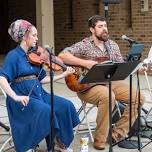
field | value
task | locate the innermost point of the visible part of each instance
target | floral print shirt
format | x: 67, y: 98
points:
x: 88, y: 49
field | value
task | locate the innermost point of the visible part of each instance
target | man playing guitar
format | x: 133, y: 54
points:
x: 99, y: 46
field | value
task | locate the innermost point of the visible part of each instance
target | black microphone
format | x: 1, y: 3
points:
x: 124, y: 37
x: 49, y: 49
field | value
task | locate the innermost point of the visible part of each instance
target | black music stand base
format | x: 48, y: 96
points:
x: 129, y: 144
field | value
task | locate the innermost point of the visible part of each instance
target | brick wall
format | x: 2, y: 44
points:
x: 124, y: 18
x: 65, y: 35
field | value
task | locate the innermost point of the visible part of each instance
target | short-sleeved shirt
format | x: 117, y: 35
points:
x: 88, y: 49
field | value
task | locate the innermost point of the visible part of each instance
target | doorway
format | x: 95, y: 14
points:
x: 4, y: 37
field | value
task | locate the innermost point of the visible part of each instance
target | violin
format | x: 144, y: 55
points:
x: 40, y: 56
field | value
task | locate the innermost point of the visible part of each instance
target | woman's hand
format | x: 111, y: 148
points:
x: 69, y: 70
x: 8, y: 90
x: 143, y: 68
x: 23, y: 99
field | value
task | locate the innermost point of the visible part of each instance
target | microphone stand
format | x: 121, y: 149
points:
x: 128, y: 143
x: 52, y: 132
x: 106, y: 11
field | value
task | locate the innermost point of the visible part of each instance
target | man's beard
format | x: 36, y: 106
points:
x: 103, y: 37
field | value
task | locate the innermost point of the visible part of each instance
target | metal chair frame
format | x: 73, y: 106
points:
x: 9, y: 141
x: 86, y: 111
x: 150, y: 92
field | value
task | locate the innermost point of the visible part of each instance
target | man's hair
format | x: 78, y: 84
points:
x: 94, y: 19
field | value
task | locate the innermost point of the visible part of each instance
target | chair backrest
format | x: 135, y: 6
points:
x: 3, y: 92
x: 3, y: 104
x: 3, y: 111
x: 6, y: 137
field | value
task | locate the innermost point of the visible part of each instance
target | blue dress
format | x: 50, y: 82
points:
x: 31, y: 124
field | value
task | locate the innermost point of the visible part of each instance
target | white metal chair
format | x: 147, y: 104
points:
x: 4, y: 126
x: 150, y: 93
x: 147, y: 62
x: 86, y: 110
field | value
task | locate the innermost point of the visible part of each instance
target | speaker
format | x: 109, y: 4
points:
x: 111, y: 1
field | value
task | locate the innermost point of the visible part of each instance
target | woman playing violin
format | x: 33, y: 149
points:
x: 28, y: 104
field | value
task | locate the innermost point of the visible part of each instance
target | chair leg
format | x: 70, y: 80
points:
x: 83, y: 108
x: 87, y: 122
x: 149, y: 87
x: 85, y: 117
x: 5, y: 143
x: 150, y: 92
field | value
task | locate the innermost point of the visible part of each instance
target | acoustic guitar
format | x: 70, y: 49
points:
x: 72, y: 80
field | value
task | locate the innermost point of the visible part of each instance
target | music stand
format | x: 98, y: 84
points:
x: 134, y: 54
x: 108, y: 73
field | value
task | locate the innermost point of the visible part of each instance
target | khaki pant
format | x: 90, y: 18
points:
x: 99, y: 95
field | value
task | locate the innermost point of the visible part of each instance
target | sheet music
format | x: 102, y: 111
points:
x: 137, y: 68
x: 149, y: 58
x: 106, y: 62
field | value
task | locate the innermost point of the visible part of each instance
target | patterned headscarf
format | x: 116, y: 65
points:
x: 18, y: 29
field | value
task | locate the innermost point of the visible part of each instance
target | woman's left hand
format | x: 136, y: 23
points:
x: 143, y: 68
x: 68, y: 71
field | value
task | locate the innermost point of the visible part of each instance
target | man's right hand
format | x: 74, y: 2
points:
x: 89, y: 63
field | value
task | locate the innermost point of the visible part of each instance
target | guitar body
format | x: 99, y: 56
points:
x: 72, y: 80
